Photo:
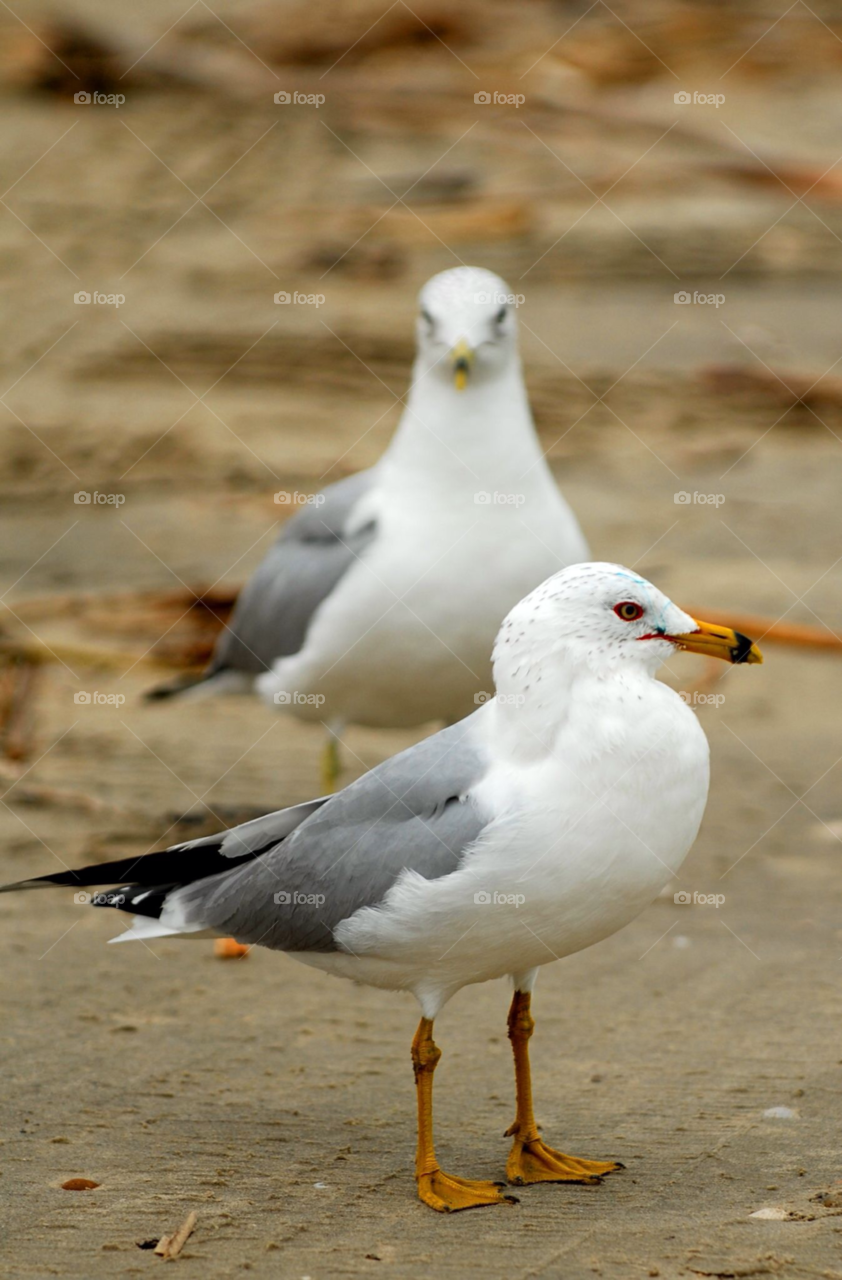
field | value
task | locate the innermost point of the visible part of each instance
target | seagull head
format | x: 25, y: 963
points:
x: 466, y: 330
x: 605, y: 617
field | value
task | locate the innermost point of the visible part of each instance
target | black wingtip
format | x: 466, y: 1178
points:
x: 59, y: 880
x: 159, y: 694
x: 164, y: 870
x: 171, y: 690
x: 42, y: 883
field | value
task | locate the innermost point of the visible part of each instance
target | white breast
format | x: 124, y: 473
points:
x: 406, y: 636
x: 583, y: 841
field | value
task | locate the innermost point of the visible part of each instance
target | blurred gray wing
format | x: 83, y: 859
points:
x: 275, y: 607
x: 416, y: 811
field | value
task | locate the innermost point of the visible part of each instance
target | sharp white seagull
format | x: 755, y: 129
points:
x: 379, y: 604
x: 540, y: 824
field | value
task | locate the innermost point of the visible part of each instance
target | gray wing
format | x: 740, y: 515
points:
x: 274, y: 609
x: 257, y: 835
x: 416, y: 811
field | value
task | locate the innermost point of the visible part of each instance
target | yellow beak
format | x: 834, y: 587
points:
x: 461, y: 358
x: 718, y: 642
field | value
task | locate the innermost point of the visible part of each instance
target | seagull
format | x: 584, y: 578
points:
x: 540, y: 824
x: 409, y: 566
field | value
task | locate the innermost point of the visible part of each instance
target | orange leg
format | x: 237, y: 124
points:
x: 330, y: 765
x: 530, y: 1159
x: 440, y: 1191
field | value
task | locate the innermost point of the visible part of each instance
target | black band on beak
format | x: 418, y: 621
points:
x: 741, y: 650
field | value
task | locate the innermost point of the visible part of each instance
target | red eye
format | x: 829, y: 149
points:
x: 628, y: 610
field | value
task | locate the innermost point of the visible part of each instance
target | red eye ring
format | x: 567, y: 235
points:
x: 628, y: 610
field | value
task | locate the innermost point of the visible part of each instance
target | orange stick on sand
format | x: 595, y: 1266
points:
x: 793, y: 633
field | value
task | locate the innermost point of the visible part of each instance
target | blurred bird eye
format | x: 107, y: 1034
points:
x: 500, y: 316
x: 628, y: 610
x: 425, y: 315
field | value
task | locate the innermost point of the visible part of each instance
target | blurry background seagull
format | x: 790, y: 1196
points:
x: 535, y: 827
x: 379, y: 605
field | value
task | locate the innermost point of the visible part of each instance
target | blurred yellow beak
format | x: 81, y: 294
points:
x: 461, y: 358
x: 718, y: 642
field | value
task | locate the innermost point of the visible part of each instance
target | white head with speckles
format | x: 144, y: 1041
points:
x: 594, y: 616
x: 602, y: 619
x: 466, y: 329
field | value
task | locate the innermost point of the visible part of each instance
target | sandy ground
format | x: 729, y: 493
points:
x: 274, y: 1101
x: 244, y: 1090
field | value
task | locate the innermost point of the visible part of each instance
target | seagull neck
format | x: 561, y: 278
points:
x: 539, y: 694
x: 533, y: 700
x: 481, y: 438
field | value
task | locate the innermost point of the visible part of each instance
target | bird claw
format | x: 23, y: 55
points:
x: 448, y: 1194
x: 536, y: 1162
